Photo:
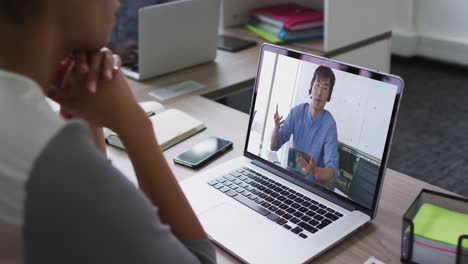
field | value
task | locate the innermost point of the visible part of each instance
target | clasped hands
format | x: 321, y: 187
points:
x: 81, y: 71
x: 89, y: 85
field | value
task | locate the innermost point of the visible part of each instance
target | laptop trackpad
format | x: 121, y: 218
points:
x: 242, y: 230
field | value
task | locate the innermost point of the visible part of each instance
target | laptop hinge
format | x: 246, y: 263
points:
x: 315, y: 190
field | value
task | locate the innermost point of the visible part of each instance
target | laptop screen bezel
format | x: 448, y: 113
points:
x: 387, y: 78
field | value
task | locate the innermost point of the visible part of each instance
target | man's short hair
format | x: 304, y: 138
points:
x: 323, y: 72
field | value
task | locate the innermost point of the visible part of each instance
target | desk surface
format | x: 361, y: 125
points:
x: 220, y: 76
x: 228, y: 70
x: 380, y: 238
x: 227, y: 74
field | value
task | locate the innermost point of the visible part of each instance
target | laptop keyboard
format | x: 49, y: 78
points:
x: 295, y: 212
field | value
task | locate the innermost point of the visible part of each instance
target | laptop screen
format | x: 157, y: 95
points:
x: 323, y: 123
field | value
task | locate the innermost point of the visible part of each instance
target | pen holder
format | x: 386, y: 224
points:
x: 421, y: 243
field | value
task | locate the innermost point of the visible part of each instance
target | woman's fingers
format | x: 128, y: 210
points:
x: 82, y: 62
x: 94, y: 59
x: 94, y: 66
x: 64, y: 85
x: 117, y: 63
x: 107, y: 64
x: 110, y: 65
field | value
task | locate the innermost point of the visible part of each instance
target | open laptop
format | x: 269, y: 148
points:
x: 261, y: 207
x: 175, y: 35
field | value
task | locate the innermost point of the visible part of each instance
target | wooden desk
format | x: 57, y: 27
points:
x: 225, y: 75
x: 381, y: 238
x: 230, y: 71
x: 215, y: 116
x: 221, y: 77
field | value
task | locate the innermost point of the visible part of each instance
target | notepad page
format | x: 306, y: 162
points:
x: 440, y: 224
x: 172, y: 126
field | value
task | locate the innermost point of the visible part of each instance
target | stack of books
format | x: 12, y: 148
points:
x: 284, y: 23
x: 436, y: 234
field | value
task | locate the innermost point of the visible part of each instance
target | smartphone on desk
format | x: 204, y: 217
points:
x: 234, y: 44
x: 203, y: 152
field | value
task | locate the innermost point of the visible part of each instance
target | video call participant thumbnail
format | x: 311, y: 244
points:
x: 314, y: 131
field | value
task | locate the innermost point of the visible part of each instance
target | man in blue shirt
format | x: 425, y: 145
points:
x: 314, y: 131
x: 124, y: 38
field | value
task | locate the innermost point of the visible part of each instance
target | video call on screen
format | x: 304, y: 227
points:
x: 330, y: 130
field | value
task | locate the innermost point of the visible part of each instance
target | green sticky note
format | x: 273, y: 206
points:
x: 440, y: 224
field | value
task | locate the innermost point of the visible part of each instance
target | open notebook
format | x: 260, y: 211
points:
x: 171, y: 126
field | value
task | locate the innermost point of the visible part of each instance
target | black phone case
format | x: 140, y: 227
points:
x: 207, y: 160
x: 238, y: 46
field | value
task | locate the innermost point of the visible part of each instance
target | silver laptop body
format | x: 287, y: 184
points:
x: 226, y: 197
x: 174, y: 36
